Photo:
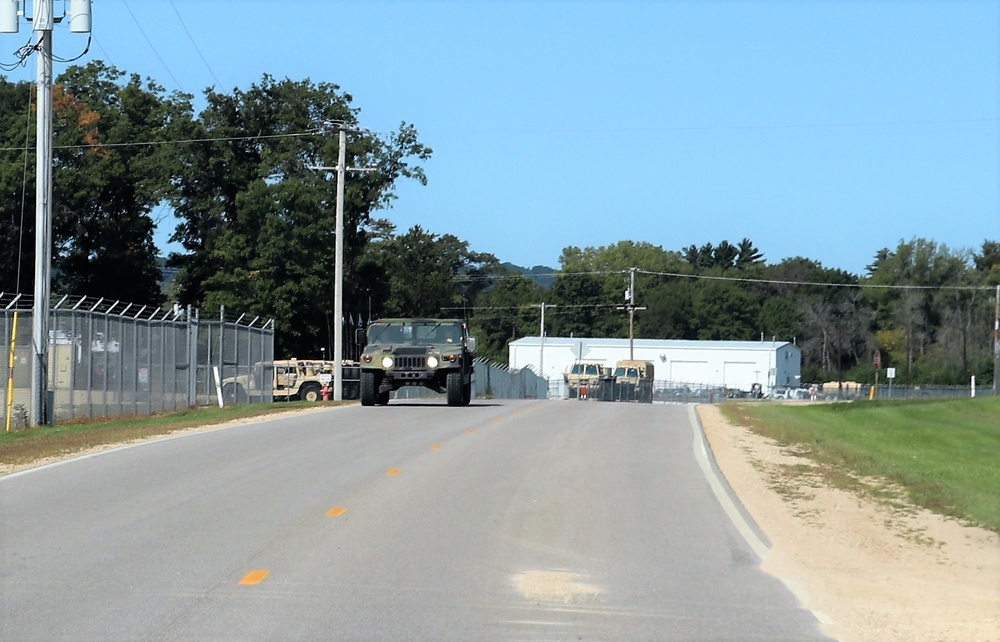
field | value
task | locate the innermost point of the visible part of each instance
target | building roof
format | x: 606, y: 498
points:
x: 658, y: 344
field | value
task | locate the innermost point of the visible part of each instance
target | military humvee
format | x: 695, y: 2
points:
x: 433, y: 353
x: 282, y: 380
x: 584, y: 375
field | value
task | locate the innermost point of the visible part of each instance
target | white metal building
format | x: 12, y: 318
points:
x: 729, y: 364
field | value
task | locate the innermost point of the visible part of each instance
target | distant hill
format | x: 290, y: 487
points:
x: 540, y: 274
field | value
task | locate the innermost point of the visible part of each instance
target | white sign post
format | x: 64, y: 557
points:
x: 890, y: 374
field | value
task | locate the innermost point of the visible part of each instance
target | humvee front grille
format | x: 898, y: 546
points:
x: 409, y: 363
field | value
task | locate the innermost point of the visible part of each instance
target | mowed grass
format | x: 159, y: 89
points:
x: 945, y: 454
x: 22, y: 447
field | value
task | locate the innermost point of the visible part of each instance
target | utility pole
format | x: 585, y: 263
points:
x: 42, y: 21
x: 631, y: 307
x: 338, y: 273
x: 541, y: 333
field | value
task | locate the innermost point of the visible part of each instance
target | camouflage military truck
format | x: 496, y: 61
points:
x: 433, y: 353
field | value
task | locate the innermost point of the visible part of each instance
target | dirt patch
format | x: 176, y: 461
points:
x: 554, y: 586
x: 874, y: 570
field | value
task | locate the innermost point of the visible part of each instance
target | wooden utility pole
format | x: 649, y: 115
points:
x: 631, y: 307
x: 541, y: 333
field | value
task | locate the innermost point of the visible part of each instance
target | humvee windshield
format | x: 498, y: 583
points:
x: 627, y: 372
x: 417, y: 333
x: 585, y: 369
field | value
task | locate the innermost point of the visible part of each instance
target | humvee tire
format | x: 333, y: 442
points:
x: 369, y: 389
x: 456, y: 391
x: 310, y: 392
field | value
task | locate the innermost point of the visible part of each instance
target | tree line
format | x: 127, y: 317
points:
x: 257, y: 228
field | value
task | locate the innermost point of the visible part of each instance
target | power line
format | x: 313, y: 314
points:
x: 175, y: 142
x: 150, y: 43
x: 195, y: 44
x: 556, y: 275
x: 813, y: 283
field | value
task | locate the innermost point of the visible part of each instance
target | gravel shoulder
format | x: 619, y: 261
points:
x: 873, y: 571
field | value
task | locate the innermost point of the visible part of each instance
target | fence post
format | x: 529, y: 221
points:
x: 192, y: 357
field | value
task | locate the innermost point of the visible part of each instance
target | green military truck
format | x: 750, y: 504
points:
x: 432, y: 353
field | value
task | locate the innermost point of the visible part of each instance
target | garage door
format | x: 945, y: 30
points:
x: 689, y: 372
x: 739, y: 374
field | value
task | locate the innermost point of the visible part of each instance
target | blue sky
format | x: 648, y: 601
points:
x: 820, y: 129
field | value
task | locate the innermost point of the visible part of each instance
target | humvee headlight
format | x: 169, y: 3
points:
x: 432, y: 362
x: 386, y: 362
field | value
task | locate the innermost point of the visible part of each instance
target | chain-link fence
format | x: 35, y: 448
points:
x: 109, y: 359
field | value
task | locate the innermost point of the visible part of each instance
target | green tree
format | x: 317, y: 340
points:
x: 17, y: 187
x: 110, y: 171
x: 922, y: 304
x: 669, y: 310
x: 725, y: 311
x: 607, y: 285
x: 430, y: 275
x: 747, y: 255
x: 258, y: 225
x: 822, y: 310
x: 505, y: 313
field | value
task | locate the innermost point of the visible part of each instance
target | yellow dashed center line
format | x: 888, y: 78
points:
x: 436, y: 447
x: 254, y: 577
x: 393, y: 472
x: 336, y: 512
x: 471, y: 430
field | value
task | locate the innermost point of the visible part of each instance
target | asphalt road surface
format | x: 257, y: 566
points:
x: 531, y: 520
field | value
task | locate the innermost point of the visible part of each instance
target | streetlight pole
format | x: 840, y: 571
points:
x: 338, y: 272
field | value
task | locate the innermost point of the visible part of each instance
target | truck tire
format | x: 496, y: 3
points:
x: 309, y: 392
x: 369, y: 389
x: 455, y: 389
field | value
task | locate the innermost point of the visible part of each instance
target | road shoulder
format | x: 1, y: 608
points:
x: 879, y: 572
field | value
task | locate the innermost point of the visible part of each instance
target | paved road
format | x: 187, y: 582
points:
x: 536, y: 520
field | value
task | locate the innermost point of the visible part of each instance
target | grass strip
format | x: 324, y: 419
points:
x: 945, y: 454
x: 26, y: 446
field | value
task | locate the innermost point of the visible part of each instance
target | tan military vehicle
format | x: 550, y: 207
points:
x: 632, y: 371
x: 582, y: 377
x: 633, y: 381
x: 284, y: 380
